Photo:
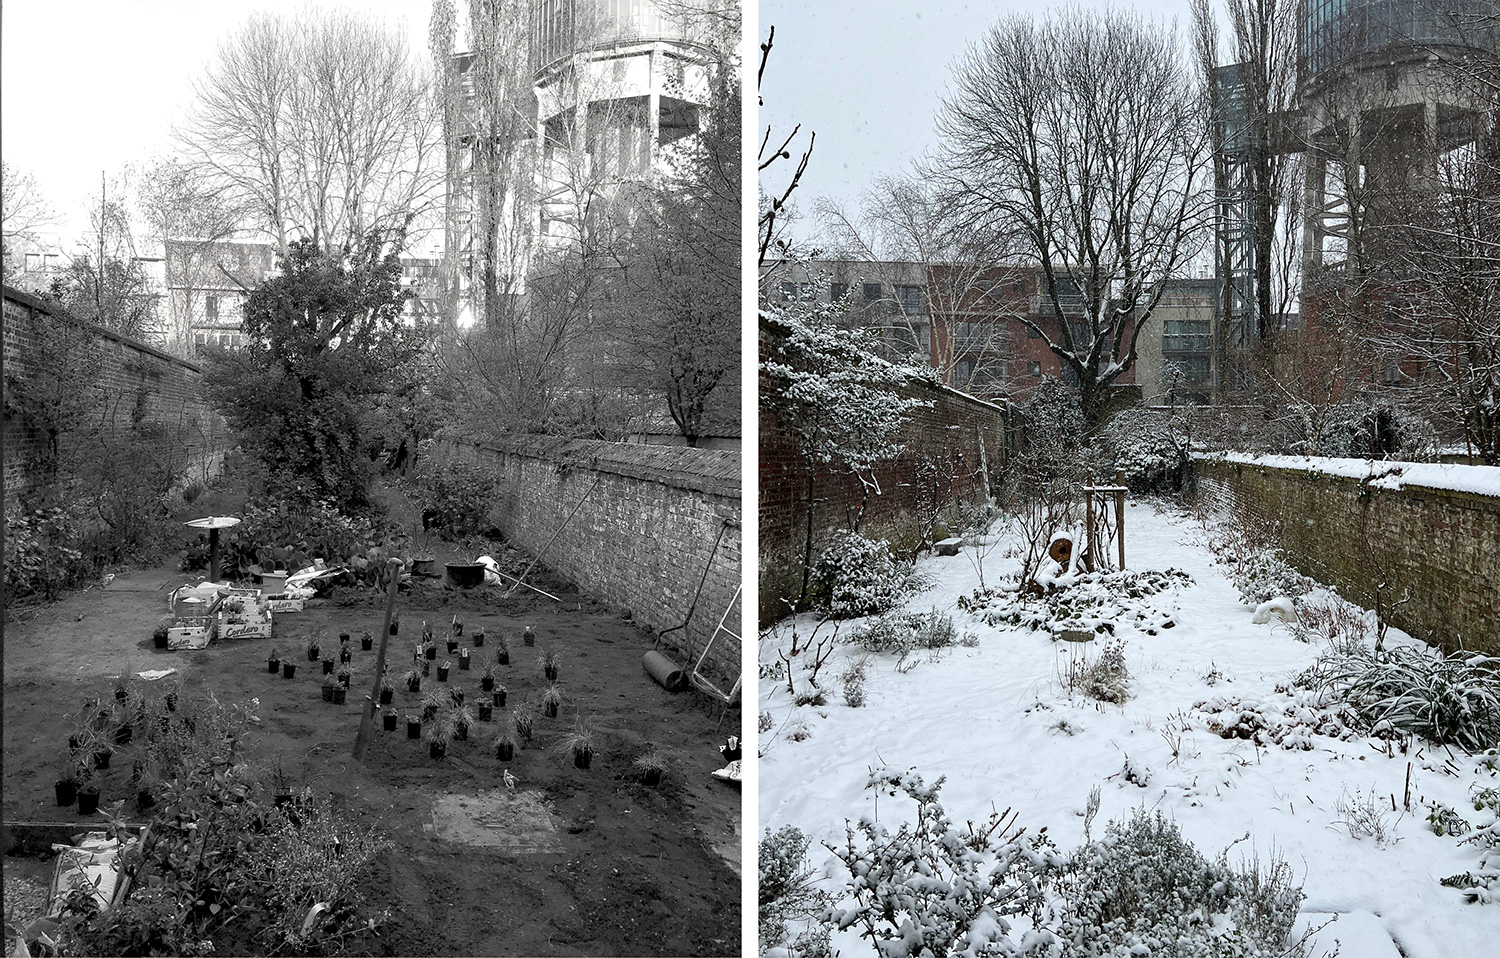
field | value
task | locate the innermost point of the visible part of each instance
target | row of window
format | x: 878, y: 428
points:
x: 226, y: 339
x: 38, y: 262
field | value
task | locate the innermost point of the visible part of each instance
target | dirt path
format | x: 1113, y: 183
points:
x: 633, y: 870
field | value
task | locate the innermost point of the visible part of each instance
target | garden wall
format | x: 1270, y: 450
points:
x: 1427, y: 529
x: 961, y: 439
x: 652, y: 522
x: 137, y: 384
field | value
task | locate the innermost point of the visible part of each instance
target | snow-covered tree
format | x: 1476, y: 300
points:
x: 1081, y: 134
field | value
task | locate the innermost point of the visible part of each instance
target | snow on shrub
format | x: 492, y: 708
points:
x: 790, y: 905
x: 907, y: 632
x: 1094, y: 601
x: 1144, y: 889
x: 1451, y: 699
x: 1265, y: 574
x: 857, y: 576
x: 1145, y: 447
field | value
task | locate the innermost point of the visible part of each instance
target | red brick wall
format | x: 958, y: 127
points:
x: 952, y: 428
x: 136, y: 382
x: 652, y: 523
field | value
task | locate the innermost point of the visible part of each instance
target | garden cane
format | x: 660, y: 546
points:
x: 362, y: 742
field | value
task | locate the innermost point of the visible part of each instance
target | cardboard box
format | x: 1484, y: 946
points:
x: 193, y: 633
x: 245, y: 625
x: 281, y: 602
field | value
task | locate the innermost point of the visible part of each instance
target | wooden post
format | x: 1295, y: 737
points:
x: 367, y: 720
x: 1120, y: 514
x: 1088, y: 512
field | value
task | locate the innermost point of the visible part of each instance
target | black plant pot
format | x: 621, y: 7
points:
x: 288, y: 670
x: 479, y: 639
x: 528, y: 639
x: 486, y: 713
x: 343, y: 638
x: 429, y: 712
x: 389, y: 722
x: 487, y: 684
x: 273, y: 666
x: 413, y: 729
x: 437, y: 749
x: 651, y: 777
x: 339, y: 692
x: 431, y: 653
x: 463, y: 663
x: 505, y: 751
x: 414, y: 685
x: 328, y: 666
x: 551, y: 674
x: 549, y: 709
x: 457, y: 695
x: 442, y: 673
x: 582, y: 759
x: 160, y: 641
x: 426, y: 668
x: 366, y: 643
x: 502, y: 658
x: 67, y: 793
x: 88, y: 803
x: 499, y: 695
x: 144, y: 799
x: 461, y: 732
x: 327, y: 693
x: 344, y: 680
x: 283, y: 799
x: 345, y: 656
x: 120, y: 694
x: 314, y: 653
x: 101, y: 759
x: 395, y: 626
x: 124, y: 734
x: 452, y: 646
x: 387, y: 696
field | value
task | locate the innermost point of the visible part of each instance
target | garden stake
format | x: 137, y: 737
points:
x: 538, y: 557
x: 367, y: 717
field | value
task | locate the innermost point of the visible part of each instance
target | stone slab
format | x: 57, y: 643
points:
x: 510, y: 823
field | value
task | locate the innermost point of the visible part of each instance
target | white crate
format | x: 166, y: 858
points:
x: 194, y: 633
x: 250, y: 625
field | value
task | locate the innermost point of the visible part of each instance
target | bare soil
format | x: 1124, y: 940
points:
x: 640, y: 871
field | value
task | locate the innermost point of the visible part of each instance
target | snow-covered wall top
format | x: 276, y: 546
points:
x: 1478, y: 480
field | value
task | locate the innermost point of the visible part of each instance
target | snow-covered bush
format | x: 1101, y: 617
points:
x: 1144, y: 889
x: 933, y: 888
x: 1106, y: 678
x: 1094, y: 601
x: 1150, y: 448
x: 1446, y: 699
x: 787, y: 895
x: 907, y: 632
x: 856, y: 576
x: 1377, y: 429
x: 1265, y: 574
x: 853, y: 681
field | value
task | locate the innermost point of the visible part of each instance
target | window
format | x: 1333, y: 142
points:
x: 211, y: 307
x: 33, y: 262
x: 1034, y: 369
x: 872, y: 292
x: 965, y: 371
x: 838, y: 291
x: 53, y: 260
x: 911, y: 299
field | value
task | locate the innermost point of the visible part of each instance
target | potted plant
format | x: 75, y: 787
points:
x: 66, y: 787
x: 650, y: 765
x: 422, y: 559
x: 273, y: 661
x: 88, y: 791
x: 413, y: 725
x: 344, y: 639
x: 578, y: 744
x: 281, y: 785
x: 505, y: 744
x: 498, y: 696
x: 443, y: 670
x: 388, y: 719
x: 328, y: 665
x: 413, y: 679
x: 432, y: 703
x: 486, y: 711
x: 462, y: 718
x: 339, y: 694
x: 314, y: 647
x: 528, y: 638
x: 487, y: 678
x: 103, y: 751
x: 463, y: 661
x: 429, y: 650
x: 502, y: 651
x: 159, y: 636
x: 458, y: 627
x: 173, y: 692
x: 551, y: 701
x: 452, y: 646
x: 438, y: 735
x: 345, y: 674
x: 387, y: 693
x: 426, y: 632
x: 346, y: 654
x: 549, y: 661
x: 366, y: 641
x: 395, y: 624
x: 329, y: 684
x: 524, y: 721
x: 478, y: 638
x: 288, y: 670
x: 456, y: 695
x: 148, y: 781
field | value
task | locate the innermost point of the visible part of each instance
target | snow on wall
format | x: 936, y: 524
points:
x: 1431, y: 531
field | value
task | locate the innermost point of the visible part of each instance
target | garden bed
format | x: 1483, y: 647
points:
x: 635, y: 870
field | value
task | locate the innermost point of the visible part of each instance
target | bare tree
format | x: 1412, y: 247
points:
x: 1081, y: 134
x: 322, y: 125
x: 23, y: 210
x: 775, y: 211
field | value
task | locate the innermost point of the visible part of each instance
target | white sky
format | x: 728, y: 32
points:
x: 868, y: 75
x: 92, y: 86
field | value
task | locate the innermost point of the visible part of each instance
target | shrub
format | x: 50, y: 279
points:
x: 786, y: 892
x: 1265, y: 574
x: 288, y: 533
x: 1107, y: 679
x: 853, y: 681
x: 455, y: 498
x: 908, y: 632
x: 43, y: 553
x: 1144, y: 885
x: 857, y: 576
x: 1145, y: 447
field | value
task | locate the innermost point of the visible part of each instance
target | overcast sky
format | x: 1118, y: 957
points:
x: 93, y: 85
x: 868, y: 75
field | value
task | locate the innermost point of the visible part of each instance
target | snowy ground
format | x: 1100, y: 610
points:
x: 988, y: 719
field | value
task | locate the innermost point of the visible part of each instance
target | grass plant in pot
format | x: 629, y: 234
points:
x: 524, y: 722
x: 549, y: 662
x: 463, y: 660
x: 498, y: 696
x: 478, y: 638
x: 528, y: 637
x: 273, y: 662
x: 456, y: 695
x: 486, y: 711
x: 388, y: 720
x: 65, y: 789
x: 328, y: 665
x: 395, y: 624
x: 104, y: 750
x: 159, y: 635
x: 88, y: 791
x: 505, y: 743
x: 551, y: 701
x: 345, y: 675
x: 413, y: 725
x: 487, y: 678
x: 502, y: 651
x: 288, y: 670
x: 147, y: 783
x: 387, y: 692
x: 650, y: 765
x: 366, y: 642
x: 433, y: 702
x: 314, y: 647
x: 172, y: 692
x: 463, y: 719
x: 578, y: 744
x: 413, y: 680
x: 346, y: 654
x: 443, y: 670
x: 438, y: 735
x: 329, y: 684
x: 458, y: 627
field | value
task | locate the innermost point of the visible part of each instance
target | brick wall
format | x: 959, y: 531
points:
x: 1440, y: 544
x: 137, y: 383
x: 965, y: 435
x: 643, y: 537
